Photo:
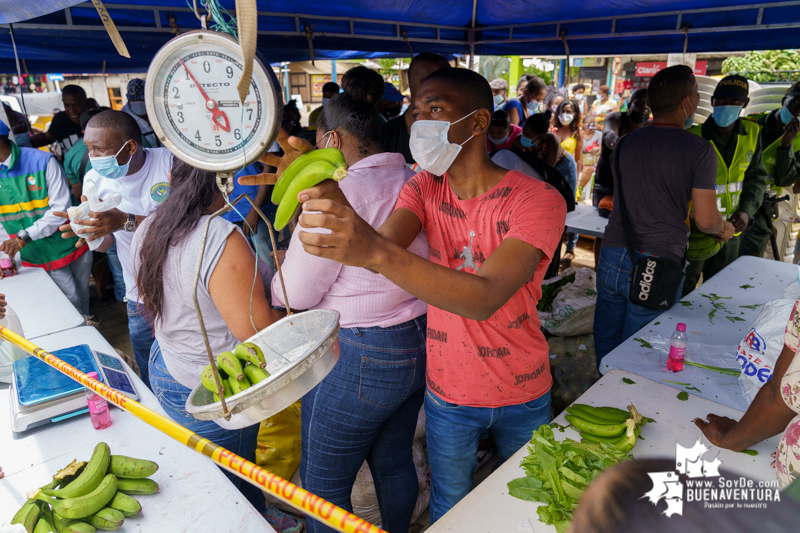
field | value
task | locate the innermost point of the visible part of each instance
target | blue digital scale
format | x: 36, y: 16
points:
x: 40, y: 394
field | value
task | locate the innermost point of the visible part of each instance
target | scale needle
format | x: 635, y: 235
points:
x: 218, y: 116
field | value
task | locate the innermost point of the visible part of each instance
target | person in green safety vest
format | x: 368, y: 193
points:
x: 32, y: 187
x: 781, y: 145
x: 741, y: 178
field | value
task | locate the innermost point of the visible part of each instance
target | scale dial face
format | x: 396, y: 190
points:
x: 194, y: 108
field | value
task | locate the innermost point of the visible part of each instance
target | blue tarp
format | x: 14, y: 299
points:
x: 49, y: 41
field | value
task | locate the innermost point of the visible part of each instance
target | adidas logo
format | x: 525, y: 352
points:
x: 664, y: 303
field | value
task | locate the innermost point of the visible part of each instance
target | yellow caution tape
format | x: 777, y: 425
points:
x: 302, y: 500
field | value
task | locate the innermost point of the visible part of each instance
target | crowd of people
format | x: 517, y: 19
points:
x: 433, y: 250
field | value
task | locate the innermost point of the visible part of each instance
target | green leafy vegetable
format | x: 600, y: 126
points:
x: 693, y: 388
x: 721, y: 370
x: 754, y: 306
x: 643, y: 343
x: 657, y: 323
x: 556, y: 425
x: 550, y: 291
x: 558, y: 472
x: 746, y: 286
x: 711, y: 315
x: 685, y: 304
x: 750, y: 452
x: 735, y: 319
x: 628, y: 381
x: 683, y: 395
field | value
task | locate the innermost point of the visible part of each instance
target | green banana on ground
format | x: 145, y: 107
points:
x: 130, y: 467
x: 28, y: 515
x: 90, y: 478
x: 137, y: 486
x: 71, y: 525
x: 255, y: 374
x: 87, y: 504
x: 333, y: 156
x: 126, y: 505
x: 107, y: 519
x: 45, y: 523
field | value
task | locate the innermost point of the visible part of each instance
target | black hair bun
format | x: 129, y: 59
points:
x: 363, y: 85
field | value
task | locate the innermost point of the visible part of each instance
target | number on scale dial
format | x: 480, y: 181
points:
x: 196, y: 103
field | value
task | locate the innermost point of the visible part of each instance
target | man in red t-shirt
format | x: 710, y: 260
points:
x: 491, y: 234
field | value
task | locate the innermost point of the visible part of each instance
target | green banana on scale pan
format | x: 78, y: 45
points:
x: 306, y: 171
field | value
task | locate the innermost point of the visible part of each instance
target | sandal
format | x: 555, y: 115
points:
x: 566, y: 261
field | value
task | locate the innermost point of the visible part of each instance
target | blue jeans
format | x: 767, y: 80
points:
x: 116, y: 273
x: 453, y: 432
x: 569, y: 169
x: 172, y: 397
x: 140, y: 330
x: 615, y: 317
x: 366, y: 409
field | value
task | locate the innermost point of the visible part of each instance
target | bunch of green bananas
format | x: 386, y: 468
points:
x: 306, y: 171
x: 772, y: 65
x: 607, y: 424
x: 84, y: 497
x: 232, y: 375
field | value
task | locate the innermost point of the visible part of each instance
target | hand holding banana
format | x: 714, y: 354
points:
x: 84, y: 497
x: 293, y: 147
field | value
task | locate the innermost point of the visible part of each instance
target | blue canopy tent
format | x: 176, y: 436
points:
x: 68, y: 35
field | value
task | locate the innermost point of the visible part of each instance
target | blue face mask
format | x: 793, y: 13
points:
x: 786, y: 116
x: 525, y: 142
x: 498, y: 99
x: 533, y: 107
x: 108, y: 166
x: 725, y: 115
x: 689, y: 119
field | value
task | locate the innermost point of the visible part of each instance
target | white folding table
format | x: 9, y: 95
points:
x: 194, y: 493
x: 747, y: 281
x: 41, y: 306
x: 586, y: 221
x: 489, y: 508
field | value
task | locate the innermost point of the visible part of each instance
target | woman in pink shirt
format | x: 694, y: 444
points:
x: 367, y: 407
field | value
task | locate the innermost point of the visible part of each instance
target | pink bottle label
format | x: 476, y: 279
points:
x: 98, y: 404
x: 677, y: 353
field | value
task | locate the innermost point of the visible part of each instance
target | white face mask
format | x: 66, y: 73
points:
x: 325, y: 101
x: 566, y: 118
x: 431, y: 148
x: 579, y: 96
x: 139, y: 107
x: 502, y: 140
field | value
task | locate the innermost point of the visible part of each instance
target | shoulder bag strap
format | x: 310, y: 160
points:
x: 626, y: 223
x: 84, y: 162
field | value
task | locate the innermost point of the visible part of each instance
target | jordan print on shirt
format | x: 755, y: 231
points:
x: 466, y: 254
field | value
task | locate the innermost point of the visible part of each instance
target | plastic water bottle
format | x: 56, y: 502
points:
x: 5, y: 265
x: 677, y: 348
x: 98, y: 407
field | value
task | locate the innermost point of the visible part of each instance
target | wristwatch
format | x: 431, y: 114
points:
x: 23, y: 236
x: 130, y: 224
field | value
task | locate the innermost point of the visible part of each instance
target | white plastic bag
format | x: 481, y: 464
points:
x: 8, y: 352
x: 759, y: 350
x: 93, y: 204
x: 573, y: 307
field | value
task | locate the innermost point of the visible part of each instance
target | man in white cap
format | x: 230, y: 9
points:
x: 137, y: 109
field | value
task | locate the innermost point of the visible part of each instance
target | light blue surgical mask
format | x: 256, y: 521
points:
x: 498, y: 99
x: 725, y: 115
x: 108, y: 166
x: 786, y: 116
x: 689, y: 119
x: 533, y: 107
x: 525, y: 142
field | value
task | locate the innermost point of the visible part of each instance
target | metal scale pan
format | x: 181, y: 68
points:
x: 300, y: 350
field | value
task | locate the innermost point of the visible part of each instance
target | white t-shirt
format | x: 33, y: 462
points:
x: 141, y: 194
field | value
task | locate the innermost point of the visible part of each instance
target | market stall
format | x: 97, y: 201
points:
x: 480, y: 510
x: 744, y: 286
